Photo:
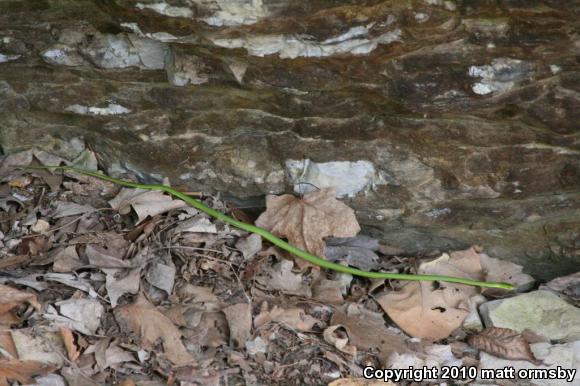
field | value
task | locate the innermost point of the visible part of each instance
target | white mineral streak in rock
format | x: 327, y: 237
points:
x: 126, y: 50
x: 62, y: 55
x: 233, y: 12
x: 168, y: 10
x: 8, y: 58
x: 160, y: 36
x: 349, y: 178
x: 500, y: 76
x: 111, y: 109
x: 354, y: 42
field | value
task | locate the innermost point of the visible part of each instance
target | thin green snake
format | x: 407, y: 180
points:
x: 275, y: 240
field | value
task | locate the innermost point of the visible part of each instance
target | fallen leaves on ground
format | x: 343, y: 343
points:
x: 144, y: 202
x: 307, y: 221
x: 144, y: 320
x: 426, y: 310
x: 504, y: 343
x: 294, y: 318
x: 151, y: 292
x: 433, y: 310
x: 22, y: 371
x: 11, y: 298
x: 367, y: 331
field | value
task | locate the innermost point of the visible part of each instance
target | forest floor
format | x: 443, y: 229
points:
x: 107, y: 285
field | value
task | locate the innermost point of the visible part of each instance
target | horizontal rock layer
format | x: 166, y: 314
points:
x: 444, y: 123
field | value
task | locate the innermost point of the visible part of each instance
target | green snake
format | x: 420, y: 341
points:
x: 275, y: 240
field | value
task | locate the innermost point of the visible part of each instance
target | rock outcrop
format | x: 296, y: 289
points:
x: 444, y: 123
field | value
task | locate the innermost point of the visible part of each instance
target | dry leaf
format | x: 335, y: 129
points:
x: 7, y: 345
x: 144, y: 202
x: 333, y: 336
x: 13, y: 261
x: 127, y: 382
x: 34, y: 245
x: 82, y: 315
x: 294, y: 318
x: 22, y: 371
x: 423, y: 310
x: 568, y: 285
x: 504, y: 343
x: 328, y: 291
x: 249, y: 245
x: 11, y: 298
x: 433, y: 310
x: 281, y: 278
x: 69, y: 343
x: 239, y: 317
x: 209, y: 329
x: 67, y: 260
x: 306, y: 222
x: 65, y: 209
x: 367, y: 331
x: 143, y: 319
x: 40, y: 344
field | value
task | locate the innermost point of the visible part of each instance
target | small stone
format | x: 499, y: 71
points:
x: 542, y: 312
x: 473, y: 321
x: 40, y: 226
x: 566, y: 357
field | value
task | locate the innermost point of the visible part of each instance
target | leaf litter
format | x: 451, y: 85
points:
x: 103, y: 285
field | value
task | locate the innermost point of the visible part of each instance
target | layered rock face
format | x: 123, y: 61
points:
x: 444, y: 123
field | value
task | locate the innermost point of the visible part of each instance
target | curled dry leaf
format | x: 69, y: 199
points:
x: 338, y: 340
x: 239, y: 317
x: 143, y: 319
x: 504, y: 343
x: 66, y: 260
x: 294, y: 318
x: 306, y: 222
x: 367, y: 331
x: 144, y: 202
x: 22, y: 371
x: 281, y: 278
x: 11, y: 298
x: 69, y: 343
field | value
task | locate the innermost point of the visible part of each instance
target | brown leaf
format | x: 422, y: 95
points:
x: 11, y: 298
x: 143, y: 319
x: 67, y: 260
x: 239, y: 317
x: 144, y: 202
x: 13, y: 261
x: 432, y: 310
x: 281, y: 278
x: 305, y: 222
x: 568, y: 285
x: 504, y: 343
x: 32, y: 246
x: 7, y: 345
x: 424, y: 310
x: 69, y: 343
x: 367, y: 331
x: 333, y: 336
x: 294, y: 318
x: 22, y: 371
x: 127, y: 382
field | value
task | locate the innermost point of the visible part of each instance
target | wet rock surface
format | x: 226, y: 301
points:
x: 444, y: 123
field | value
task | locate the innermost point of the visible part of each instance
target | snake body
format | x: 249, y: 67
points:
x: 275, y: 240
